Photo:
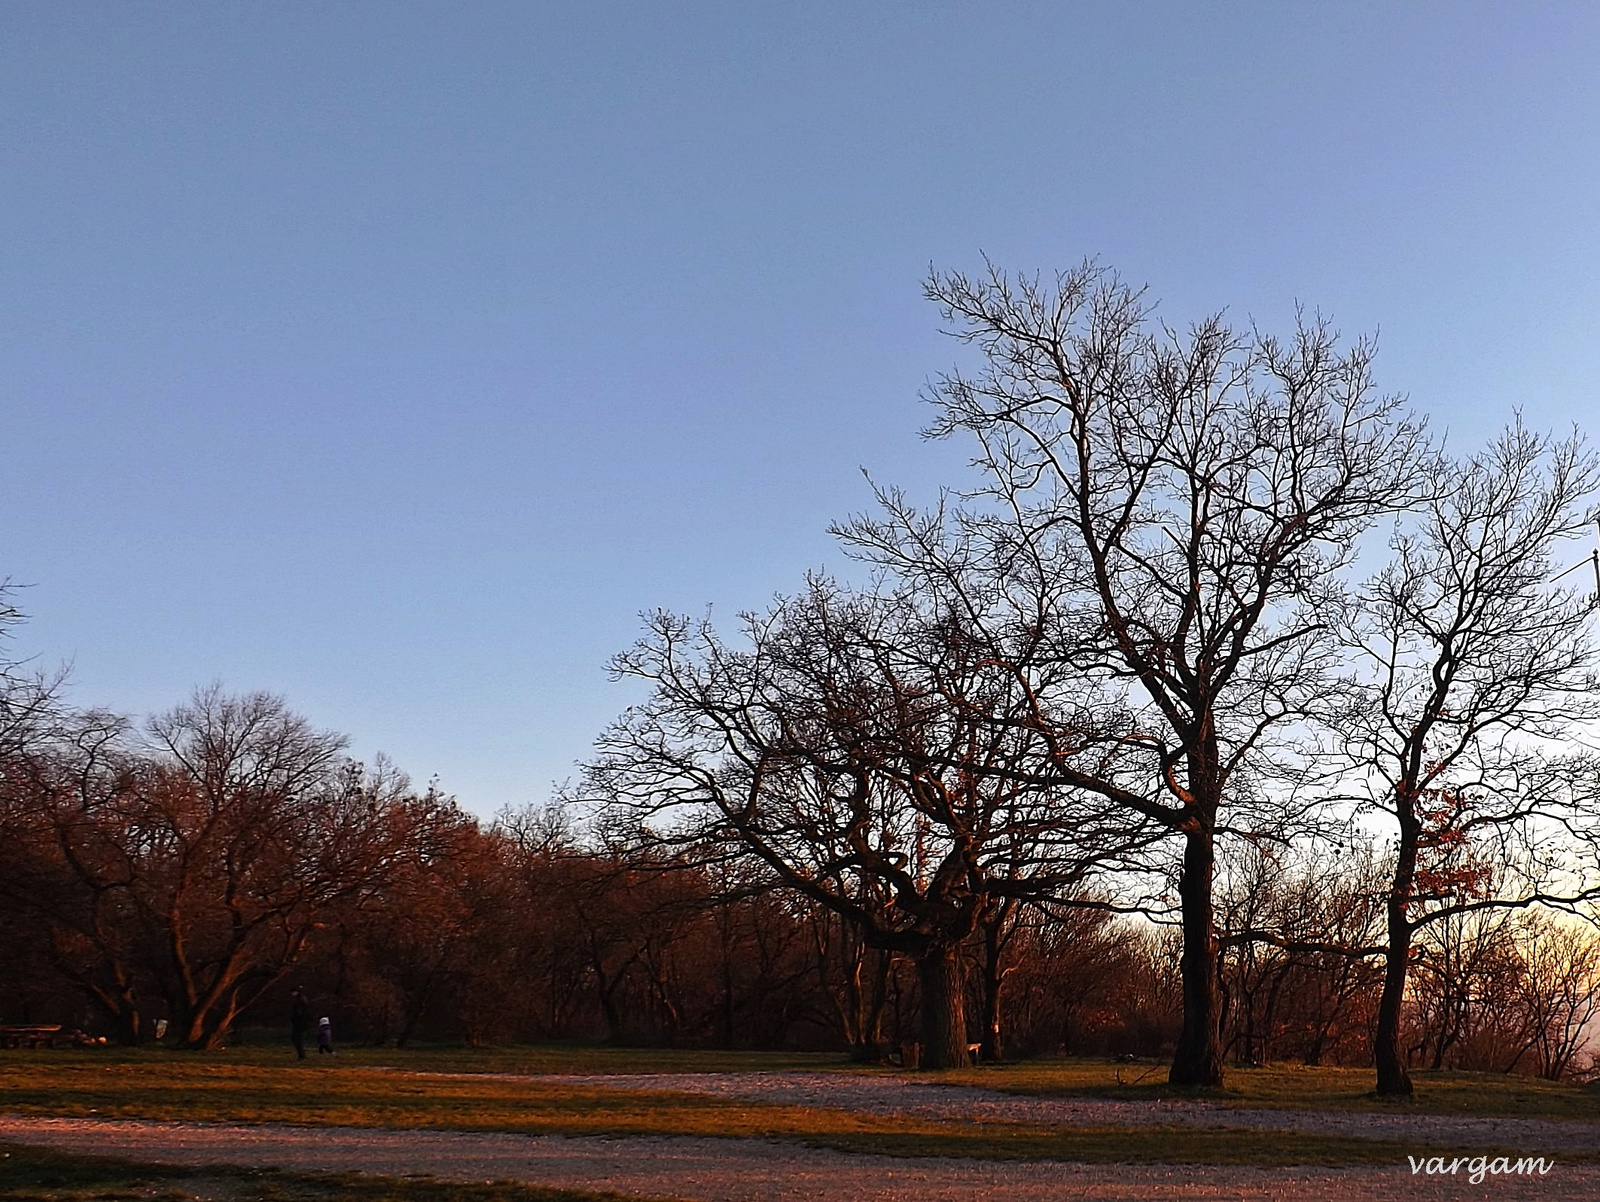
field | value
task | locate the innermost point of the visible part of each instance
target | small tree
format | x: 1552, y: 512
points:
x: 30, y: 704
x: 1558, y: 991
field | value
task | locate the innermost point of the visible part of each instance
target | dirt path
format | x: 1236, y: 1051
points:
x: 921, y: 1098
x: 715, y: 1170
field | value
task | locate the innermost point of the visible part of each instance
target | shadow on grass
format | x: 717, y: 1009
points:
x: 29, y: 1174
x: 1296, y: 1087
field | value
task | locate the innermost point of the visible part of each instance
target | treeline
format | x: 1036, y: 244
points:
x: 1146, y: 741
x: 191, y: 871
x: 196, y: 869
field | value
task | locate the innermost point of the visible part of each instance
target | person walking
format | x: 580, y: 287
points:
x: 299, y: 1020
x: 325, y: 1037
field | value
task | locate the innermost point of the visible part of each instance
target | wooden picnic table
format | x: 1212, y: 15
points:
x: 31, y: 1036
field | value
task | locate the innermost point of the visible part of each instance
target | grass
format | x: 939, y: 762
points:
x: 1285, y: 1086
x: 560, y: 1058
x: 453, y: 1090
x: 1298, y: 1087
x: 39, y: 1175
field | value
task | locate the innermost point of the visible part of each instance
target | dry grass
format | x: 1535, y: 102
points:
x: 348, y: 1092
x: 1283, y: 1086
x: 582, y: 1059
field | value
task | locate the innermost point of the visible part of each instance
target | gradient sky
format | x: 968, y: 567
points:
x: 393, y: 357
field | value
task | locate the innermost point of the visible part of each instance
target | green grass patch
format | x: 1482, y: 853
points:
x: 40, y: 1175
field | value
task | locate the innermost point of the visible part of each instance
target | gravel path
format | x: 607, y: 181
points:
x: 713, y: 1170
x: 921, y: 1098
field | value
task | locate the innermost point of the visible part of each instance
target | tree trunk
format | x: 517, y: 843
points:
x: 127, y: 1024
x: 944, y: 1020
x: 852, y: 954
x: 221, y: 1027
x: 877, y: 1000
x: 1393, y: 1080
x: 412, y: 1013
x: 191, y: 1030
x: 870, y: 1002
x: 605, y: 990
x: 994, y: 978
x: 725, y: 1017
x: 1199, y: 1056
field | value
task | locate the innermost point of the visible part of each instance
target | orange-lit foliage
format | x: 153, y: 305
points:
x: 1448, y: 869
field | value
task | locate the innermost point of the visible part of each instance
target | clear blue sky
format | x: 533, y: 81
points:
x: 394, y: 356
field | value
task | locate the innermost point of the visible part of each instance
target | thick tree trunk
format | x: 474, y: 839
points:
x: 883, y: 963
x: 853, y: 1008
x: 221, y: 1027
x: 1199, y: 1056
x: 944, y: 1020
x: 1393, y: 1080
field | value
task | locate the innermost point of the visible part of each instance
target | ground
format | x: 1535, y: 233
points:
x: 724, y: 1126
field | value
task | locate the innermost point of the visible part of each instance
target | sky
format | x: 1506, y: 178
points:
x: 395, y: 357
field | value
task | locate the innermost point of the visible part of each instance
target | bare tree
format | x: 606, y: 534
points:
x: 1298, y: 926
x: 197, y: 867
x: 72, y: 855
x: 1191, y: 501
x: 1077, y: 977
x: 30, y: 701
x: 1559, y: 991
x: 1465, y: 1009
x: 854, y: 978
x: 1480, y: 681
x: 434, y: 935
x: 870, y: 755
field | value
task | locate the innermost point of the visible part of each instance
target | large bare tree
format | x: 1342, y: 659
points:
x: 873, y: 757
x: 1195, y: 497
